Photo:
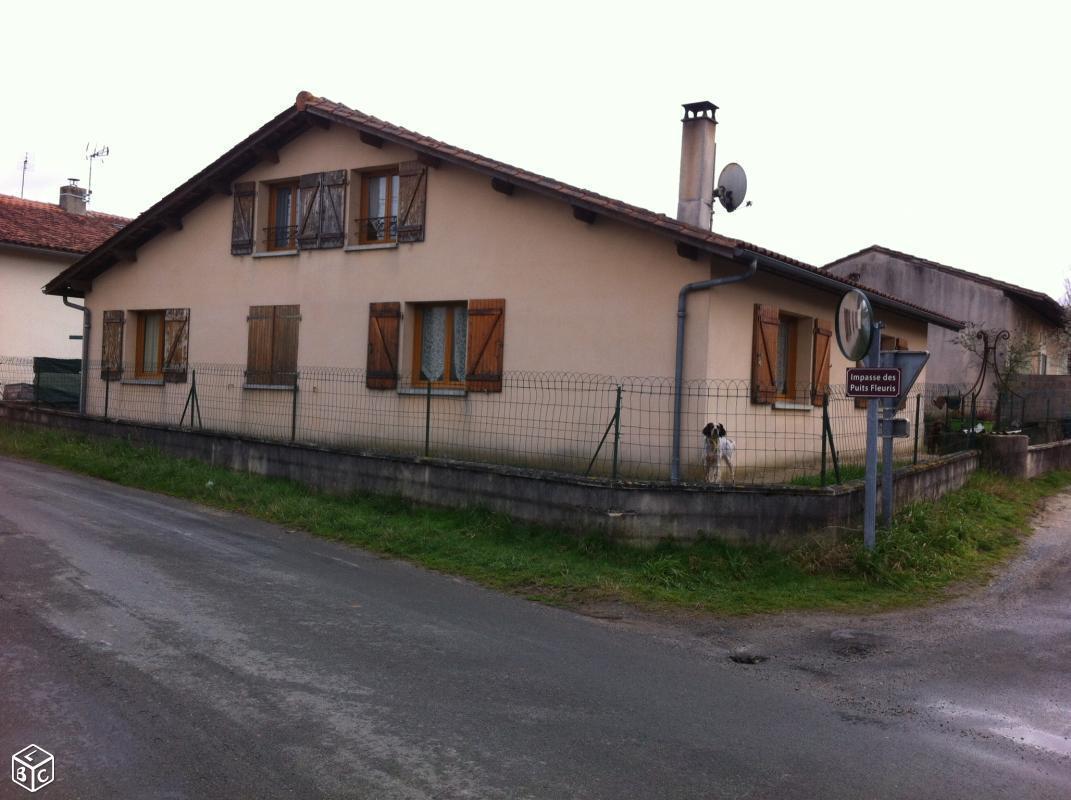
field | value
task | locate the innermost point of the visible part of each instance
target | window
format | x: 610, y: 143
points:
x: 149, y: 355
x: 379, y: 207
x: 273, y: 344
x: 1043, y: 363
x: 790, y: 358
x: 787, y: 339
x: 440, y: 344
x: 283, y: 203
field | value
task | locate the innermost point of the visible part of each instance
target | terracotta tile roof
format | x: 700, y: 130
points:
x: 308, y: 108
x: 30, y: 223
x: 1039, y: 301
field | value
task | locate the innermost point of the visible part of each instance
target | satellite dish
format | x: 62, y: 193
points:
x: 732, y: 186
x: 854, y: 324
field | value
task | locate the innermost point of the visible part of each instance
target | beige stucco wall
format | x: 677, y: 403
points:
x: 31, y: 323
x: 598, y: 299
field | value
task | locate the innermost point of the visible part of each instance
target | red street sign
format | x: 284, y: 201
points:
x: 866, y: 382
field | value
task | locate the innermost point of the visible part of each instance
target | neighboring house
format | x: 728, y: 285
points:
x: 331, y: 238
x: 37, y: 242
x: 988, y: 303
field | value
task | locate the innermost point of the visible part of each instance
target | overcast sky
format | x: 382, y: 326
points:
x: 939, y: 128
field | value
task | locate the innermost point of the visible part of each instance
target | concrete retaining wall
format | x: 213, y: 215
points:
x: 636, y: 513
x: 1048, y: 457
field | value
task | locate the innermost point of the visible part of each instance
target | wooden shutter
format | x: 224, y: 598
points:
x: 333, y: 209
x: 486, y: 339
x: 258, y: 365
x: 384, y: 320
x: 111, y: 359
x: 764, y: 354
x: 242, y: 235
x: 412, y: 200
x: 308, y: 228
x: 284, y: 349
x: 176, y: 344
x: 821, y: 360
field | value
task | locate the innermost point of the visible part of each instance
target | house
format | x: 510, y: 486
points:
x: 37, y: 242
x: 986, y: 302
x: 330, y: 238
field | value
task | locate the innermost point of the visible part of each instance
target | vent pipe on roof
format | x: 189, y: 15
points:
x: 72, y: 197
x: 697, y: 164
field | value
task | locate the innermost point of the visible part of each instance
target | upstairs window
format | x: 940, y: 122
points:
x: 378, y: 222
x: 281, y: 233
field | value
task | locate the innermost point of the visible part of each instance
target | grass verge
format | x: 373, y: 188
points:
x: 931, y: 546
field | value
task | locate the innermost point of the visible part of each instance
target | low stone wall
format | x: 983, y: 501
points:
x: 635, y: 513
x: 1048, y: 458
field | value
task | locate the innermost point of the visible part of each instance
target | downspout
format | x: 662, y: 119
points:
x: 85, y: 353
x: 678, y: 376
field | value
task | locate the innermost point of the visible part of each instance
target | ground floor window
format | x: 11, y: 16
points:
x: 440, y: 344
x: 149, y: 353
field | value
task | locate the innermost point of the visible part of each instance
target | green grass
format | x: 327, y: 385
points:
x: 931, y: 547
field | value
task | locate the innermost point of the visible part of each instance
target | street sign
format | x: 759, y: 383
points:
x: 873, y: 383
x: 909, y: 363
x: 854, y: 323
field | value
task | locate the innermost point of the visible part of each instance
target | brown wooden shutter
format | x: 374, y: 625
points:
x: 242, y: 235
x: 764, y: 354
x: 308, y: 232
x: 176, y: 344
x: 821, y: 360
x: 384, y: 321
x: 284, y: 351
x: 258, y: 365
x: 333, y: 209
x: 412, y: 200
x: 486, y: 340
x: 111, y: 359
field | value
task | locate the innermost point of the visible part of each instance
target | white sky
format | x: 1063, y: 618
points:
x: 939, y: 128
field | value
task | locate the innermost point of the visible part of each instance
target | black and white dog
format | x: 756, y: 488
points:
x: 719, y: 448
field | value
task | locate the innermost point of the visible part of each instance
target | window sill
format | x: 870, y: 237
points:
x: 275, y: 253
x: 441, y: 392
x: 142, y: 381
x: 273, y: 387
x: 350, y: 248
x: 788, y: 405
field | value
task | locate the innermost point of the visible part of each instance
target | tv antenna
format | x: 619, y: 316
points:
x: 732, y: 186
x: 99, y: 152
x: 26, y: 167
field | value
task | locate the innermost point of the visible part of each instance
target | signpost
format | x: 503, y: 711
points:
x: 886, y: 377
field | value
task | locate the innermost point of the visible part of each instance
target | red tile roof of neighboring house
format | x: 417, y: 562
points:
x: 1039, y: 301
x: 310, y: 110
x: 30, y: 223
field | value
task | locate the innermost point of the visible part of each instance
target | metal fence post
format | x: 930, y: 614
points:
x: 825, y: 426
x: 427, y: 421
x: 918, y: 408
x: 293, y: 410
x: 617, y: 431
x: 107, y: 394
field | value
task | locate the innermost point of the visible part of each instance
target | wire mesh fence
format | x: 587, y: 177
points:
x: 618, y: 429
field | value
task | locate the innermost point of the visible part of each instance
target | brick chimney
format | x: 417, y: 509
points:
x: 72, y: 197
x: 697, y: 164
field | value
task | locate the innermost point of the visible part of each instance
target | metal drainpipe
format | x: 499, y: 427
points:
x: 678, y: 376
x: 85, y: 353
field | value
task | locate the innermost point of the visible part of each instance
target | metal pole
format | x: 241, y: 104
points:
x: 887, y: 458
x: 427, y: 421
x: 918, y: 408
x: 107, y: 393
x: 870, y: 511
x: 617, y: 431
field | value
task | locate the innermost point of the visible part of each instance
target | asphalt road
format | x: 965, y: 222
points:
x: 162, y: 650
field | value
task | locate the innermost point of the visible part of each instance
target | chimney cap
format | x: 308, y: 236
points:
x: 703, y: 108
x: 73, y: 181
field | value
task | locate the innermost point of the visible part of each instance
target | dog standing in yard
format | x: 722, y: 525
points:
x: 719, y: 448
